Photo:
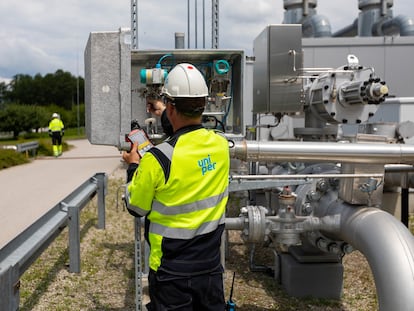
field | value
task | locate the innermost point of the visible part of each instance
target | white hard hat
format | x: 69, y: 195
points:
x: 185, y: 80
x: 55, y: 115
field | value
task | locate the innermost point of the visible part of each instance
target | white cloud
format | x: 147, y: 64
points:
x: 19, y: 55
x: 5, y: 80
x: 43, y: 36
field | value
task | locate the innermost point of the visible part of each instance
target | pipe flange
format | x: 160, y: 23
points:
x: 256, y: 227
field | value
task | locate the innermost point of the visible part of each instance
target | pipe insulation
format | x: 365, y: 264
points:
x: 278, y: 151
x: 388, y: 247
x: 317, y: 26
x: 401, y: 24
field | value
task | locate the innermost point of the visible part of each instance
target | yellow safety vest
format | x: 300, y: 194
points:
x: 56, y: 125
x: 182, y: 187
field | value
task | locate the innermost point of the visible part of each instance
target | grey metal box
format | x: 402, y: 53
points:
x: 278, y: 61
x: 113, y: 84
x: 354, y: 190
x: 318, y: 280
x: 202, y: 59
x: 108, y: 87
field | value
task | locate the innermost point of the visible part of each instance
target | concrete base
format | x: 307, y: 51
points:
x: 311, y: 279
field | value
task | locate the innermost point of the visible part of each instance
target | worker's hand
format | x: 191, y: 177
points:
x: 155, y: 106
x: 132, y: 156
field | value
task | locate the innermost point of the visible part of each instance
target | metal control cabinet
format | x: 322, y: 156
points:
x: 276, y: 85
x: 113, y: 85
x: 108, y: 87
x: 229, y: 83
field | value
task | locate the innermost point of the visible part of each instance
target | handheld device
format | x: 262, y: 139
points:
x: 138, y: 135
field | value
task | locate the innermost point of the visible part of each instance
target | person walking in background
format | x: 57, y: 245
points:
x: 181, y: 187
x: 56, y: 131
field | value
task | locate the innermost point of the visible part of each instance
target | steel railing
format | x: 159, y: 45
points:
x: 17, y: 256
x: 24, y: 147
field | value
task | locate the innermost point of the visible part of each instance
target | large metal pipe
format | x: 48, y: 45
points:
x: 348, y: 31
x: 278, y: 151
x: 372, y: 11
x: 304, y: 12
x: 402, y: 25
x: 317, y: 26
x: 388, y: 247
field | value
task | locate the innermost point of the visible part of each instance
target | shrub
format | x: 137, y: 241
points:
x: 10, y: 158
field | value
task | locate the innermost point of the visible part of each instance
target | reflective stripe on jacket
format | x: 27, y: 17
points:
x: 182, y: 187
x: 56, y: 125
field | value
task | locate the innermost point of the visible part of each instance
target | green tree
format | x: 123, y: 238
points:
x: 3, y: 93
x: 18, y: 118
x: 22, y: 90
x: 59, y: 88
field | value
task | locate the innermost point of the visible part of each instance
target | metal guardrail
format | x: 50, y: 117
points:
x: 28, y: 146
x: 17, y: 256
x: 24, y: 147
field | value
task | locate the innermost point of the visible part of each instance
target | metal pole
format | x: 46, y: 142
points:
x: 215, y: 24
x: 404, y: 199
x: 77, y: 89
x: 188, y: 24
x: 204, y: 24
x: 134, y: 24
x: 102, y: 187
x: 74, y: 239
x: 9, y: 288
x: 195, y: 24
x: 405, y: 206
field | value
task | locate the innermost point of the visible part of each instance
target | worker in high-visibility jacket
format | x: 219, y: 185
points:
x: 181, y: 186
x: 56, y: 131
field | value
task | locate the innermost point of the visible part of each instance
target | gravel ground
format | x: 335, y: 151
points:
x: 106, y: 281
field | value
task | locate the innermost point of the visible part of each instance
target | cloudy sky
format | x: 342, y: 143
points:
x: 41, y: 36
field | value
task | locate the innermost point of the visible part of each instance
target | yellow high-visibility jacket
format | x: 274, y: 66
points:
x: 181, y: 186
x: 56, y: 125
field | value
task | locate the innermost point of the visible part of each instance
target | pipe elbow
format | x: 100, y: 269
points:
x: 402, y: 25
x: 348, y: 31
x: 389, y: 248
x: 317, y: 26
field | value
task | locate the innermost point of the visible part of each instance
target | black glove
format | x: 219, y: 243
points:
x: 50, y: 133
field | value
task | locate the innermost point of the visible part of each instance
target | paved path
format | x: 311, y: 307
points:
x: 28, y: 191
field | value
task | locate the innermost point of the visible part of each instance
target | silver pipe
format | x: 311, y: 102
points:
x: 348, y: 31
x: 235, y: 223
x: 389, y: 249
x: 305, y: 7
x: 304, y: 176
x: 317, y: 26
x: 179, y: 40
x: 399, y: 100
x: 278, y: 151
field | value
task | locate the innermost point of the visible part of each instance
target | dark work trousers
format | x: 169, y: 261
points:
x: 56, y: 138
x: 190, y: 293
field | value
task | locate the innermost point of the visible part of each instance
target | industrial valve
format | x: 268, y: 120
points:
x: 348, y: 94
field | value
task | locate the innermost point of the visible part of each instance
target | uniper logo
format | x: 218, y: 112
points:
x: 206, y: 165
